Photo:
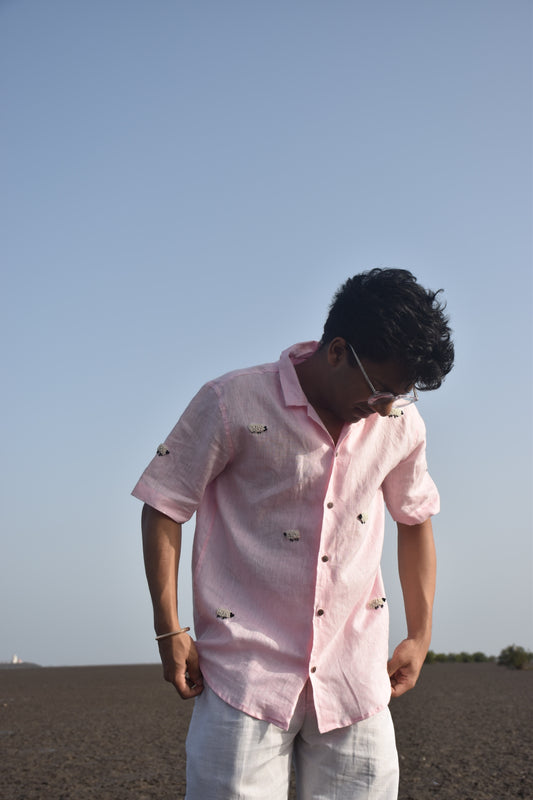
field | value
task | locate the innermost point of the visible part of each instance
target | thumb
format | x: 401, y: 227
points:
x: 193, y: 667
x: 394, y: 663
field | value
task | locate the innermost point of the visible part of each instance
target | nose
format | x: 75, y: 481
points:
x: 384, y: 409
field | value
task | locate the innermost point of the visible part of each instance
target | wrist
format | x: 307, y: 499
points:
x: 422, y: 639
x: 167, y: 635
x: 166, y: 620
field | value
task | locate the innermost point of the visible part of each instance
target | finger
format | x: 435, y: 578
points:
x: 194, y: 678
x: 393, y: 665
x: 186, y: 688
x: 397, y: 689
x: 193, y: 669
x: 402, y: 681
x: 181, y: 680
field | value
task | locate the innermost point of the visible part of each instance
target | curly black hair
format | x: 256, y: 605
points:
x: 385, y: 314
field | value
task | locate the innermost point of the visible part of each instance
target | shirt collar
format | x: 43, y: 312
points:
x: 290, y: 385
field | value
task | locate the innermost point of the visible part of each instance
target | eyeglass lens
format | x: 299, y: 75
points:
x: 385, y: 398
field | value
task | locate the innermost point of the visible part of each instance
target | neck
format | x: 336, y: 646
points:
x: 311, y: 375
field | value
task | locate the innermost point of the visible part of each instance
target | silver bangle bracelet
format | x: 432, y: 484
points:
x: 172, y: 633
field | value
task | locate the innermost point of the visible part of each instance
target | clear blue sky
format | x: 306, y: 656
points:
x: 184, y: 186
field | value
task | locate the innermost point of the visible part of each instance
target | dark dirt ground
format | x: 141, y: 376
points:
x: 74, y: 733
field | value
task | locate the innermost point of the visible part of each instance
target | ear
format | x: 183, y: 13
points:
x: 336, y: 351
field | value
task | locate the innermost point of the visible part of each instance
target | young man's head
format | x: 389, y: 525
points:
x: 385, y: 315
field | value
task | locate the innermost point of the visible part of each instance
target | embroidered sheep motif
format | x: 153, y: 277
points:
x: 395, y: 412
x: 378, y: 602
x: 224, y: 613
x: 292, y: 536
x: 363, y: 518
x: 254, y: 427
x: 162, y: 450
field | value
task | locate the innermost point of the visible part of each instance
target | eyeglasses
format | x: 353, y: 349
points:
x: 384, y: 398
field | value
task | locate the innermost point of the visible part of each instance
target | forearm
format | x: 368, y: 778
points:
x: 417, y: 569
x: 162, y: 548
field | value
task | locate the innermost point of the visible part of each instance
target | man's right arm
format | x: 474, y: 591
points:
x: 162, y: 547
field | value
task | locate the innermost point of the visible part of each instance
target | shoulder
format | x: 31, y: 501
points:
x: 249, y: 380
x: 257, y: 372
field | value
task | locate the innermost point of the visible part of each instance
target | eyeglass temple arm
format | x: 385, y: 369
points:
x: 415, y: 393
x: 361, y: 367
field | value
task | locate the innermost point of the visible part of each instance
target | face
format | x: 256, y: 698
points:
x: 346, y: 393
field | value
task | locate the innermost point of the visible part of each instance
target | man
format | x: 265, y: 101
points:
x: 288, y: 466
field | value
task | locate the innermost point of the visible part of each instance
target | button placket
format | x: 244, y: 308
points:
x: 323, y: 577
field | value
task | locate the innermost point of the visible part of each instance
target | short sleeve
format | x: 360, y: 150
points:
x: 195, y: 452
x: 409, y: 491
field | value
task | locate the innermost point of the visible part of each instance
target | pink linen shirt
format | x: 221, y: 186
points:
x: 289, y: 531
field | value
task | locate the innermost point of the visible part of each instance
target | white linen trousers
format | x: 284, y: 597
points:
x: 232, y: 756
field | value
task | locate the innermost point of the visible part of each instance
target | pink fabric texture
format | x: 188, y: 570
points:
x: 289, y: 532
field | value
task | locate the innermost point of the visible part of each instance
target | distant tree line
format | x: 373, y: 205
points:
x: 512, y: 656
x: 516, y: 657
x: 460, y: 658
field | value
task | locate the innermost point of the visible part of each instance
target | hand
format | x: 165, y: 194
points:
x: 405, y: 665
x: 181, y: 668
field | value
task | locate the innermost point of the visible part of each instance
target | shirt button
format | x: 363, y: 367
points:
x: 320, y: 612
x: 330, y: 505
x: 313, y: 669
x: 325, y: 558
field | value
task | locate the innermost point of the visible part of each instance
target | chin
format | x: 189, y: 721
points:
x: 359, y: 415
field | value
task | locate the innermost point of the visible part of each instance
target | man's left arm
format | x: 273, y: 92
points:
x: 417, y: 568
